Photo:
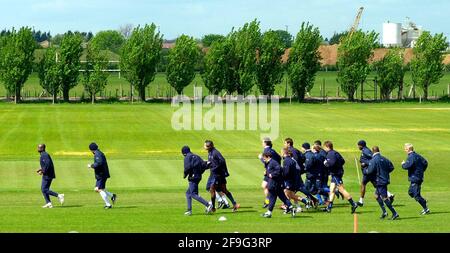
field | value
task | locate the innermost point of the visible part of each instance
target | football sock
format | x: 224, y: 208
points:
x: 351, y: 202
x: 108, y: 193
x: 218, y: 197
x: 230, y: 196
x: 389, y: 205
x: 213, y: 201
x: 422, y: 202
x: 389, y: 194
x: 361, y: 200
x: 225, y: 201
x: 105, y: 198
x: 380, y: 202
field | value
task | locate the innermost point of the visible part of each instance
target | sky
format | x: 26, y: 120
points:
x: 199, y: 17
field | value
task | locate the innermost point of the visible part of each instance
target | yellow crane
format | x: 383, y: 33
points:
x: 356, y: 23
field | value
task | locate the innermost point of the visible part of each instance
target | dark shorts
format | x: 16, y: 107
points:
x: 369, y: 179
x: 101, y: 183
x: 292, y: 186
x: 382, y: 191
x: 414, y: 189
x: 216, y: 182
x: 337, y: 180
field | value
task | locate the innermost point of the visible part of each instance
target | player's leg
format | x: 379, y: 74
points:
x: 347, y: 195
x: 193, y: 186
x: 362, y: 192
x: 189, y: 200
x: 99, y: 187
x: 414, y: 192
x: 266, y: 193
x: 272, y: 195
x: 45, y: 185
x: 229, y: 196
x: 382, y: 190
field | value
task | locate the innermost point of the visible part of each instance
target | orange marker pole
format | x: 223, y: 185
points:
x: 355, y: 223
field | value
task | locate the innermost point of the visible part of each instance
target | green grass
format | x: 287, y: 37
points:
x: 160, y: 87
x: 146, y: 166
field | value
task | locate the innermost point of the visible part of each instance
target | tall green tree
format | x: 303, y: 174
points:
x: 220, y: 68
x: 269, y: 70
x: 140, y: 56
x: 108, y: 40
x: 336, y: 38
x: 354, y: 53
x: 427, y: 66
x: 69, y: 55
x: 50, y: 73
x: 247, y: 41
x: 304, y: 60
x: 390, y: 72
x: 16, y: 60
x: 208, y: 39
x: 285, y: 37
x: 95, y: 78
x: 182, y: 61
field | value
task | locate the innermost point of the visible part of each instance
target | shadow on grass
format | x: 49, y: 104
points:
x: 71, y: 206
x: 125, y: 207
x: 409, y: 218
x: 437, y: 213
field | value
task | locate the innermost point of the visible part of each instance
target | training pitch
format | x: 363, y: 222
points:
x: 147, y: 170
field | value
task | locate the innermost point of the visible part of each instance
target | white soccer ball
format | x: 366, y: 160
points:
x: 223, y: 218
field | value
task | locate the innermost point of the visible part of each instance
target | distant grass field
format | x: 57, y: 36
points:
x: 146, y: 166
x: 160, y: 87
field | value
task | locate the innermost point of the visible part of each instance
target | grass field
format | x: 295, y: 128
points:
x: 146, y: 166
x: 160, y: 88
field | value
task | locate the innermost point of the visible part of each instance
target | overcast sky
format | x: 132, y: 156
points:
x: 200, y: 17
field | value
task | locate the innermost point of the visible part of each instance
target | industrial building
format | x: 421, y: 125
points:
x: 401, y: 35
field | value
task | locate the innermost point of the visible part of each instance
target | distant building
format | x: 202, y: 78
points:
x: 398, y: 35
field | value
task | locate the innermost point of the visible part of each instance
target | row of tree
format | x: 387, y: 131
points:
x: 234, y: 64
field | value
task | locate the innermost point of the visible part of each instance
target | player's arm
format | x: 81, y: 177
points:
x: 98, y: 161
x: 371, y: 168
x: 409, y: 163
x: 330, y: 161
x: 45, y: 164
x: 187, y: 167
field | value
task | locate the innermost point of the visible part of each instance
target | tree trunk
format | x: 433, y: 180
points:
x: 17, y: 95
x: 65, y: 91
x: 93, y: 98
x: 301, y: 95
x: 400, y: 91
x: 142, y: 92
x: 54, y: 97
x: 425, y: 92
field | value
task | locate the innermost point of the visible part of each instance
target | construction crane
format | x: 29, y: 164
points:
x: 356, y: 23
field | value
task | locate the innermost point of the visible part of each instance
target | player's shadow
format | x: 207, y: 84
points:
x: 125, y: 207
x: 437, y: 213
x: 247, y: 211
x: 72, y: 206
x: 409, y: 218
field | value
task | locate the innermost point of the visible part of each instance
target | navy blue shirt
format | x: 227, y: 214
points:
x: 218, y: 165
x: 274, y: 153
x: 416, y: 166
x: 382, y: 167
x: 100, y: 165
x: 312, y: 165
x: 48, y: 170
x: 322, y: 156
x: 275, y: 172
x: 366, y: 156
x: 298, y: 156
x: 335, y: 163
x: 194, y: 166
x: 291, y: 170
